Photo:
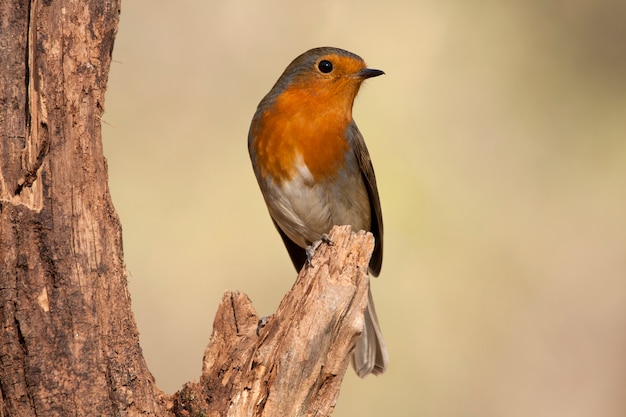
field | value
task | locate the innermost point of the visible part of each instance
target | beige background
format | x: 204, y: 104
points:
x: 499, y: 141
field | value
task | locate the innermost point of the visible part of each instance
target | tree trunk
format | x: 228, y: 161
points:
x: 69, y: 344
x: 69, y: 341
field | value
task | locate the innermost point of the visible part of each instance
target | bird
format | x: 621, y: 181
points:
x: 315, y: 172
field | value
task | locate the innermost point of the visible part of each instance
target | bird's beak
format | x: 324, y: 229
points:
x: 369, y: 73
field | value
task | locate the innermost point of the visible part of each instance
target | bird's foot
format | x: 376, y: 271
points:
x: 261, y: 324
x: 310, y: 250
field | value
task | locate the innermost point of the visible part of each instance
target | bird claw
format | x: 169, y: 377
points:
x: 326, y: 239
x: 261, y: 324
x: 310, y: 250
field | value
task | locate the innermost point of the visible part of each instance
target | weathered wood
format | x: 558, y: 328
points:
x: 294, y: 365
x: 68, y: 341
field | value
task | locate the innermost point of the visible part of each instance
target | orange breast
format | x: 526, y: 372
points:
x: 304, y: 124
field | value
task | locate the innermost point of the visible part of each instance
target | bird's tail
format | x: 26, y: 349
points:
x: 370, y: 353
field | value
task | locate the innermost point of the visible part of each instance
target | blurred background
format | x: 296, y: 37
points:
x: 499, y: 141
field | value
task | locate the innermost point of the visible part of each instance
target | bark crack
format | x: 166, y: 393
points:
x: 28, y: 66
x: 31, y: 107
x: 235, y: 319
x: 31, y: 175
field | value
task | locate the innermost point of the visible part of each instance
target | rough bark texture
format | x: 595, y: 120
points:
x: 68, y: 340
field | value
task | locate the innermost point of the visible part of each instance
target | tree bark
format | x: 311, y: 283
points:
x: 69, y: 344
x: 69, y: 341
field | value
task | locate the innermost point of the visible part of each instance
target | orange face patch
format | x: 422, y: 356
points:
x: 309, y: 119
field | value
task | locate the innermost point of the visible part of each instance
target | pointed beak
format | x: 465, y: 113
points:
x: 369, y: 73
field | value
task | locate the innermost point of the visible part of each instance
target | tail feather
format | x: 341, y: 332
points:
x: 370, y: 353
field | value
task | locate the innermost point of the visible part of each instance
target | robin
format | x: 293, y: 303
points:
x: 314, y: 169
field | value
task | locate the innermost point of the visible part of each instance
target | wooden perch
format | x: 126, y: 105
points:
x: 294, y: 365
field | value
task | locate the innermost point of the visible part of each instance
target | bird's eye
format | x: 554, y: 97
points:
x: 325, y: 66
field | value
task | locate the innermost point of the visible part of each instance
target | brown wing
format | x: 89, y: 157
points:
x: 367, y: 170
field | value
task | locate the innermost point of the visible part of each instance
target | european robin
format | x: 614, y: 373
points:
x: 314, y: 169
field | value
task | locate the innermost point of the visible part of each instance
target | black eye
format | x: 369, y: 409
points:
x: 325, y: 66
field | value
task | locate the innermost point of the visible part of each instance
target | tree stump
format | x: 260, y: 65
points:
x: 294, y: 364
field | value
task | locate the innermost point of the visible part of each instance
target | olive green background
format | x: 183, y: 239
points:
x: 498, y: 136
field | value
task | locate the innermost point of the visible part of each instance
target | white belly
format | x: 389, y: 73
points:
x: 305, y: 209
